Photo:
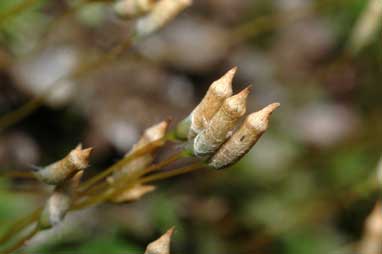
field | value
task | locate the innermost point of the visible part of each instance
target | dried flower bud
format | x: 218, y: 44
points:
x: 244, y: 138
x: 371, y: 242
x: 221, y: 124
x: 162, y: 13
x: 133, y: 194
x: 77, y: 159
x: 162, y: 245
x: 59, y: 202
x: 152, y: 134
x: 219, y: 90
x: 133, y: 8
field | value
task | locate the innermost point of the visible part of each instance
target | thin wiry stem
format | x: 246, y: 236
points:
x: 120, y: 164
x: 172, y: 173
x: 20, y: 225
x: 124, y: 183
x: 20, y: 243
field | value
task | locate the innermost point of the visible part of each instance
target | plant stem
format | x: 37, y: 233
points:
x: 20, y: 225
x: 21, y: 241
x: 120, y: 164
x: 125, y: 182
x: 175, y: 172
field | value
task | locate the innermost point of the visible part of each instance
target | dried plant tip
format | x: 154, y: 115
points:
x: 153, y: 134
x: 221, y: 124
x: 162, y: 245
x: 244, y: 138
x: 133, y: 8
x: 371, y: 241
x: 219, y: 90
x: 76, y: 160
x: 162, y: 13
x: 134, y: 194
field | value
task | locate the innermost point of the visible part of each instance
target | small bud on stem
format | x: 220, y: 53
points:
x: 56, y: 173
x: 219, y: 90
x: 244, y: 138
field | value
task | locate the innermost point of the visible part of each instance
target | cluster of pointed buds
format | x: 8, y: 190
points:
x: 211, y: 126
x: 65, y: 174
x: 371, y: 242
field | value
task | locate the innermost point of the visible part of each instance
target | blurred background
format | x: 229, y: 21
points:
x: 306, y: 187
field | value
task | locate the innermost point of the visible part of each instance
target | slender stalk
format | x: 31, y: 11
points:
x: 20, y: 225
x: 172, y: 173
x: 20, y: 243
x: 120, y: 164
x: 146, y: 170
x: 124, y: 183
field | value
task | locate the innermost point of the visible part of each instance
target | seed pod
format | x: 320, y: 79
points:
x: 219, y: 90
x: 77, y: 159
x: 371, y: 241
x: 162, y: 245
x: 133, y: 194
x: 162, y: 13
x: 133, y: 8
x: 221, y: 124
x: 244, y: 138
x: 59, y: 202
x: 152, y: 134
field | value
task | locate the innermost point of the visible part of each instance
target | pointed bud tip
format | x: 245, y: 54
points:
x: 78, y: 147
x: 157, y: 131
x: 223, y: 86
x: 170, y: 232
x: 238, y: 100
x: 260, y: 118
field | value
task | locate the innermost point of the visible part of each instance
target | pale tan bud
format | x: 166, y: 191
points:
x: 371, y: 241
x: 152, y: 134
x: 244, y: 138
x: 162, y: 245
x: 59, y: 202
x: 221, y: 124
x: 133, y: 194
x: 162, y: 13
x: 76, y: 160
x: 133, y: 8
x: 219, y: 90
